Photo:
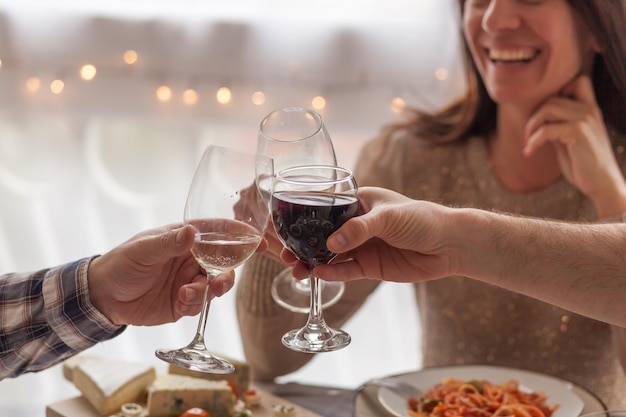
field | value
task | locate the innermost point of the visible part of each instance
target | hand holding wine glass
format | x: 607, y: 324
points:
x: 296, y: 136
x: 308, y: 204
x: 230, y: 218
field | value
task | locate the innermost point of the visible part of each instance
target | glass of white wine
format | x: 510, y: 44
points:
x: 230, y: 217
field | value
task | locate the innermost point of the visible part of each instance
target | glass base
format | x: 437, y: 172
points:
x: 196, y: 360
x: 310, y: 340
x: 295, y: 295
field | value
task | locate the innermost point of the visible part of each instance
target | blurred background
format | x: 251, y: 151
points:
x: 106, y: 106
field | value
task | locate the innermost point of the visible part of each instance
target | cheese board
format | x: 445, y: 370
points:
x: 80, y: 407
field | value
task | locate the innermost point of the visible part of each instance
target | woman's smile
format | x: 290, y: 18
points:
x: 524, y: 52
x: 511, y: 55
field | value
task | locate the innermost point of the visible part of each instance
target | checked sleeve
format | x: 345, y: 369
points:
x: 46, y: 317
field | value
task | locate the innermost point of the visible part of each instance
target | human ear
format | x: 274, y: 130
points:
x: 595, y: 45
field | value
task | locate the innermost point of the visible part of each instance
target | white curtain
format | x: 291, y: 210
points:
x: 84, y: 169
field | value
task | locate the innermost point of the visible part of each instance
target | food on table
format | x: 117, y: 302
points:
x: 70, y: 364
x: 281, y: 410
x: 132, y: 410
x: 196, y: 412
x: 232, y: 386
x: 480, y: 398
x: 241, y: 376
x: 251, y: 399
x: 109, y: 384
x: 241, y: 410
x: 170, y: 395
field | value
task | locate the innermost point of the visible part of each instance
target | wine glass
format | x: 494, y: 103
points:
x: 296, y: 136
x: 308, y: 203
x: 230, y: 218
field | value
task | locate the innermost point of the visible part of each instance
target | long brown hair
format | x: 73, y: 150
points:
x: 475, y: 113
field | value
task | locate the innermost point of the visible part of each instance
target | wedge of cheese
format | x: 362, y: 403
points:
x: 69, y: 365
x: 108, y: 384
x: 240, y: 378
x: 170, y: 395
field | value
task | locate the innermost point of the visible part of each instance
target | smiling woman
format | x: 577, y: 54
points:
x: 88, y: 158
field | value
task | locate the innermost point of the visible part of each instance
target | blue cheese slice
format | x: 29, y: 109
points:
x: 108, y: 384
x: 170, y: 395
x: 240, y: 377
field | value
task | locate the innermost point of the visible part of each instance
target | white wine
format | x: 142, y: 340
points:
x: 224, y: 251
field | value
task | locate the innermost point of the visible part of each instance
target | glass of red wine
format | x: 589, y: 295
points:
x: 296, y: 136
x: 230, y: 217
x: 308, y: 203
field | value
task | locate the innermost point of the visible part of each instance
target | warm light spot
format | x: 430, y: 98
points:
x: 33, y: 84
x: 88, y: 72
x: 190, y: 97
x: 130, y: 57
x: 398, y: 104
x: 318, y: 102
x: 441, y: 74
x: 57, y: 86
x: 0, y: 63
x: 164, y: 93
x: 258, y: 98
x: 223, y: 95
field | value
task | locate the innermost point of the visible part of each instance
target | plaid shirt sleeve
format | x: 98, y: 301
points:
x: 46, y: 317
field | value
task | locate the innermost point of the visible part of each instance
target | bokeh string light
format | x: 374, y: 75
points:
x: 191, y: 96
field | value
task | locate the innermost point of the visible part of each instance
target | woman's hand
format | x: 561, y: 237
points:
x: 572, y: 122
x: 270, y: 246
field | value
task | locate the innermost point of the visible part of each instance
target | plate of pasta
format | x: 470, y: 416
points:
x: 481, y: 391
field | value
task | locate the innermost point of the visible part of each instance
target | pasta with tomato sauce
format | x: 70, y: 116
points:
x: 479, y: 398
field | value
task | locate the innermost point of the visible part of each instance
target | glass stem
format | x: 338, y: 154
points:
x: 198, y: 341
x: 316, y: 318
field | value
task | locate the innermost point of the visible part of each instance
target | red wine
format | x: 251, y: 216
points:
x: 224, y: 251
x: 304, y: 220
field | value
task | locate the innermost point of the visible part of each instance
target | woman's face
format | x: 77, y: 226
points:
x: 526, y: 50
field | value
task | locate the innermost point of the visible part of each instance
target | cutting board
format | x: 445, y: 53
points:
x: 80, y: 407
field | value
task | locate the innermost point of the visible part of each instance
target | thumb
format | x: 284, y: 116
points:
x: 174, y: 242
x: 351, y: 234
x: 183, y: 239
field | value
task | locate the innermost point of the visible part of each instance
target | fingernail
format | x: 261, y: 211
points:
x: 340, y: 241
x: 184, y: 309
x: 190, y: 294
x: 180, y: 236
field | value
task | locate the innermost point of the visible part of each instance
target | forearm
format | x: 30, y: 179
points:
x: 47, y: 317
x: 579, y: 267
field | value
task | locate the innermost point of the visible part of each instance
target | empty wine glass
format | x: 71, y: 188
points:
x: 296, y: 136
x: 230, y: 218
x: 308, y: 203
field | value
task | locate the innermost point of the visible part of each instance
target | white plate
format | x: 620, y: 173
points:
x: 557, y: 390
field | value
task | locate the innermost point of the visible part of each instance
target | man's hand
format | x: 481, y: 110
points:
x: 152, y: 278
